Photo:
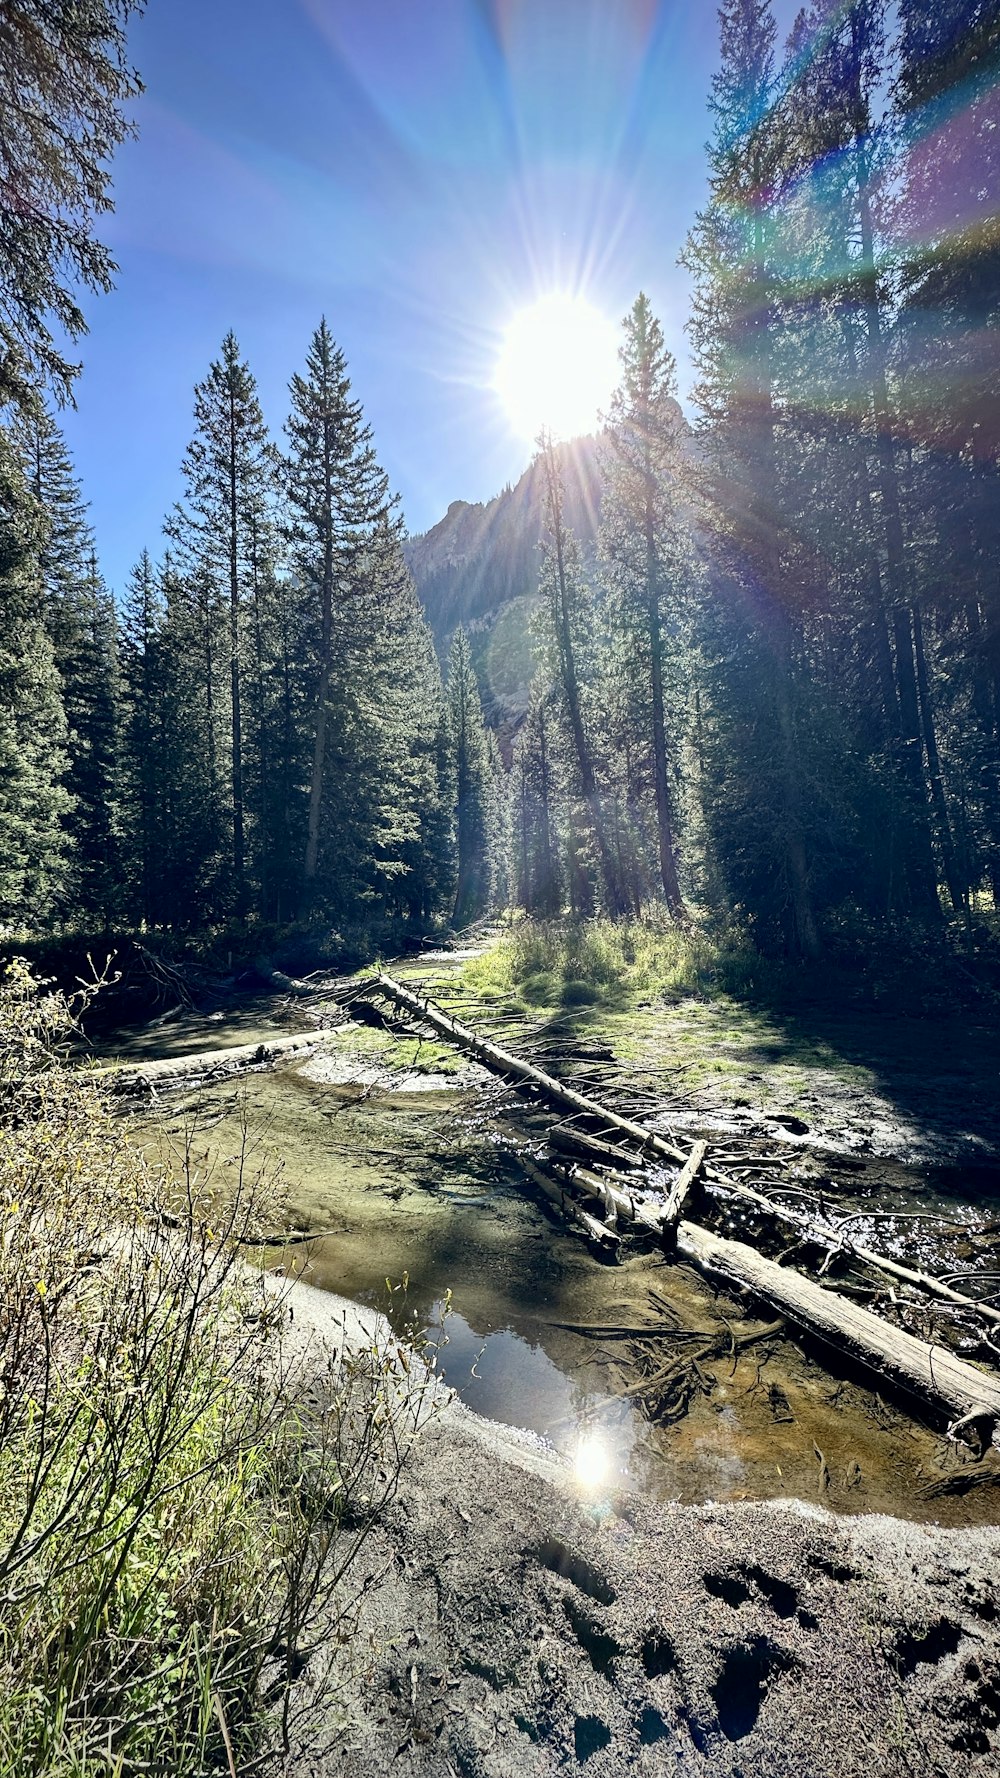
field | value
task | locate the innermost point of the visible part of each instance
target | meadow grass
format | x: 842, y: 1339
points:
x: 614, y: 965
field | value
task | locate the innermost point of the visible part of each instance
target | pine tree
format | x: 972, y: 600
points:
x: 534, y: 849
x: 640, y: 542
x: 227, y: 468
x: 472, y: 777
x: 341, y: 501
x: 567, y: 627
x: 144, y: 768
x: 79, y: 616
x: 732, y: 253
x: 66, y: 80
x: 33, y: 734
x: 949, y: 389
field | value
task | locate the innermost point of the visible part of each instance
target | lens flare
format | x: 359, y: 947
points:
x: 591, y: 1462
x: 557, y: 367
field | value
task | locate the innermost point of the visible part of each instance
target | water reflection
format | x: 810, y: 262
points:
x: 502, y: 1376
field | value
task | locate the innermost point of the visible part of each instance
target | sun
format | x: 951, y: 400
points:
x: 557, y: 367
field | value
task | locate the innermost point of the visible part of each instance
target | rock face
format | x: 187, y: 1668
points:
x: 478, y: 567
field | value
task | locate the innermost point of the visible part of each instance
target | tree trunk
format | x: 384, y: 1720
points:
x: 957, y: 890
x: 920, y: 861
x: 239, y: 853
x: 571, y: 690
x: 323, y: 686
x: 664, y: 823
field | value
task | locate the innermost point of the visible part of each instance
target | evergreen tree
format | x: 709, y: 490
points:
x: 80, y: 618
x: 567, y: 627
x: 144, y: 769
x: 732, y: 253
x: 472, y: 777
x: 640, y: 541
x: 534, y: 873
x: 949, y: 385
x: 66, y: 79
x: 33, y: 759
x: 227, y: 468
x: 341, y: 503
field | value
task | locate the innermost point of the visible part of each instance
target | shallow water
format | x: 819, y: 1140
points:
x: 414, y: 1176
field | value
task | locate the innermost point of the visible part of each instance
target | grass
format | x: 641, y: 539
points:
x: 175, y: 1519
x: 566, y: 966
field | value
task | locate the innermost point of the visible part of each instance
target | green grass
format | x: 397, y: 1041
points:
x: 614, y: 965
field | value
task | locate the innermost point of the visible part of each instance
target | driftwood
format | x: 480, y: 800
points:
x: 827, y: 1235
x: 208, y: 1064
x: 285, y: 984
x: 600, y: 1232
x: 650, y: 1142
x: 969, y: 1396
x: 589, y: 1148
x: 682, y: 1184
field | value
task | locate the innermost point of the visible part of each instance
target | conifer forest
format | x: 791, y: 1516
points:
x: 765, y: 685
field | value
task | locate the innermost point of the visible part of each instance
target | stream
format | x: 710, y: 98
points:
x: 406, y: 1164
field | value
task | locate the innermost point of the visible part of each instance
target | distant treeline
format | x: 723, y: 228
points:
x: 774, y: 692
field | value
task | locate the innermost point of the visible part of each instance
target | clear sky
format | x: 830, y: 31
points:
x: 417, y: 170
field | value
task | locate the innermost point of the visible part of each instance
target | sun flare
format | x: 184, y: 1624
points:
x: 557, y: 367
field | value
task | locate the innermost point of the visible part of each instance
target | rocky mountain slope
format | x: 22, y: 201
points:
x: 478, y: 567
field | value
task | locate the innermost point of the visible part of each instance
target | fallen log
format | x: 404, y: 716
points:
x: 597, y: 1231
x: 827, y: 1235
x: 285, y: 984
x: 871, y: 1340
x: 650, y: 1142
x: 503, y: 1062
x: 682, y: 1185
x: 208, y: 1064
x: 969, y: 1397
x: 589, y: 1148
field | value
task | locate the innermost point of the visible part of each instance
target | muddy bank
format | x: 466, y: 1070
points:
x: 519, y: 1622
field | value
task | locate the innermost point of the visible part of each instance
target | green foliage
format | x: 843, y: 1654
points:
x: 66, y: 80
x: 34, y: 803
x: 471, y: 769
x: 612, y: 964
x: 170, y: 1507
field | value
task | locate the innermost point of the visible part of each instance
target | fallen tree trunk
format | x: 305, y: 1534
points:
x: 968, y: 1396
x: 620, y: 1203
x: 828, y: 1236
x: 650, y: 1142
x: 682, y: 1184
x: 169, y: 1071
x: 517, y: 1069
x: 588, y: 1148
x: 285, y: 984
x: 601, y: 1232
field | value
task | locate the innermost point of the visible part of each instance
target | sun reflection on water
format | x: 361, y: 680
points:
x: 592, y: 1462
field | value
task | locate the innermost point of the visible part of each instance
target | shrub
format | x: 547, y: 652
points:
x: 173, y: 1515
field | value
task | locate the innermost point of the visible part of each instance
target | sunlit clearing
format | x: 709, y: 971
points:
x: 557, y: 367
x: 592, y: 1462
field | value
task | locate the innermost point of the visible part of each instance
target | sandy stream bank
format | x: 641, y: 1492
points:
x: 517, y: 1627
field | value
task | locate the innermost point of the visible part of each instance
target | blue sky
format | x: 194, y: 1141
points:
x: 414, y: 169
